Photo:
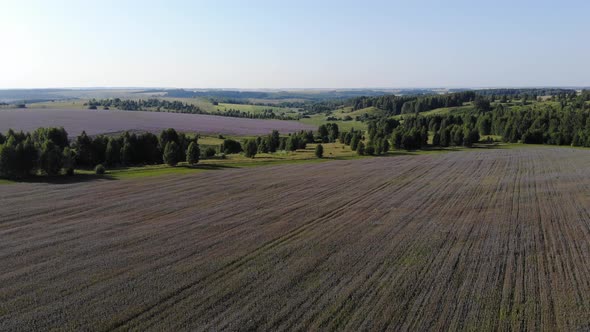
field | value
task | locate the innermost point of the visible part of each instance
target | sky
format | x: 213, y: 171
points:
x: 294, y: 44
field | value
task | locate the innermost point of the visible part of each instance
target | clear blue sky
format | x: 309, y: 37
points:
x: 294, y: 44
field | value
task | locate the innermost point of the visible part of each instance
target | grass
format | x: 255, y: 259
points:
x: 320, y: 119
x: 203, y: 103
x: 347, y: 111
x: 255, y: 109
x: 210, y: 140
x: 60, y: 104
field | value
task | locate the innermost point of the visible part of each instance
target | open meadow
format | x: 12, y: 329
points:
x: 486, y: 239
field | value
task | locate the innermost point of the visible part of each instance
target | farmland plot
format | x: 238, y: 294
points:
x: 486, y: 240
x: 111, y: 121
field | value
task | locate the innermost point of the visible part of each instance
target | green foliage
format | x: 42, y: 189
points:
x: 171, y: 153
x: 99, y: 169
x: 251, y: 148
x: 112, y: 152
x: 323, y: 133
x: 436, y: 138
x: 168, y: 135
x: 69, y: 160
x: 264, y: 145
x: 210, y: 152
x: 84, y: 151
x: 393, y: 105
x: 328, y: 132
x: 50, y: 159
x: 152, y: 104
x: 126, y: 153
x: 360, y: 149
x: 232, y: 146
x: 319, y: 151
x: 8, y: 161
x: 192, y: 153
x: 471, y: 136
x: 482, y: 104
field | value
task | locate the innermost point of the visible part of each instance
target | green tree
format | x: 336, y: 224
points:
x: 113, y: 152
x: 436, y: 138
x: 251, y: 148
x: 126, y: 153
x: 68, y: 160
x: 274, y: 141
x: 171, y: 153
x: 8, y: 165
x: 360, y: 149
x: 324, y: 133
x: 50, y: 158
x: 168, y: 135
x: 445, y: 136
x: 458, y: 136
x: 264, y: 147
x: 481, y: 104
x: 84, y: 150
x: 385, y: 145
x: 27, y: 157
x: 354, y: 141
x: 319, y: 151
x: 192, y: 153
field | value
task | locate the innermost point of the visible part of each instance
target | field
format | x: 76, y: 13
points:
x: 489, y: 239
x: 98, y: 122
x: 256, y: 109
x: 319, y: 119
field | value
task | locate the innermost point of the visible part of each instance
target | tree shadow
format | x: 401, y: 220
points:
x: 207, y: 166
x: 63, y: 179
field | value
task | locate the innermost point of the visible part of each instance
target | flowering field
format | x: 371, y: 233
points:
x: 110, y: 121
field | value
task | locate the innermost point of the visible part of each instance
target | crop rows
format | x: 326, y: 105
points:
x: 478, y: 240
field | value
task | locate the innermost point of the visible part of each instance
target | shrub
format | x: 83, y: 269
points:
x: 319, y: 151
x: 231, y: 146
x: 99, y: 169
x: 210, y: 152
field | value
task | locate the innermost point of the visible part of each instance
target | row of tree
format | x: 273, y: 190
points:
x: 274, y: 142
x: 394, y: 105
x: 152, y: 104
x: 46, y: 150
x: 532, y: 124
x: 263, y: 114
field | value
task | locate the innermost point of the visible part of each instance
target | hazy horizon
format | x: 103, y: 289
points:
x: 295, y: 45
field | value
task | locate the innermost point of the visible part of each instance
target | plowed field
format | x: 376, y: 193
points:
x: 478, y: 240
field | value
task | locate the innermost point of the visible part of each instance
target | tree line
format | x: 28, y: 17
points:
x: 48, y: 151
x: 263, y: 114
x: 394, y: 105
x: 152, y: 105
